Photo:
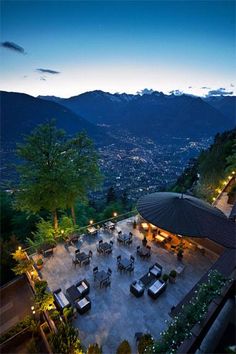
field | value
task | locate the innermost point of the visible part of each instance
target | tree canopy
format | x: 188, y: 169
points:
x: 55, y: 170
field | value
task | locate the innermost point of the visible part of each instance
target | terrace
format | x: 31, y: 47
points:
x: 116, y: 314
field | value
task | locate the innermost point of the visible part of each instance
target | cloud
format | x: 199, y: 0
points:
x: 145, y: 91
x: 48, y: 71
x: 42, y: 78
x: 205, y: 88
x: 219, y: 92
x: 176, y: 92
x: 13, y: 46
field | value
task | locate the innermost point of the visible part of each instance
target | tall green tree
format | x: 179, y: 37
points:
x: 42, y: 171
x: 85, y: 175
x: 55, y: 171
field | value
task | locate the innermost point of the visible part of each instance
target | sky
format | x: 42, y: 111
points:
x: 64, y: 48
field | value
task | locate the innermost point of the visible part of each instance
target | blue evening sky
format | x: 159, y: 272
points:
x: 118, y: 46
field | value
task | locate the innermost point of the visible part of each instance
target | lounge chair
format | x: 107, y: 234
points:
x: 83, y: 287
x: 137, y: 289
x: 83, y: 305
x: 157, y: 288
x: 60, y: 299
x: 156, y: 270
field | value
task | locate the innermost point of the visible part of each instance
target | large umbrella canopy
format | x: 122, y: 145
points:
x: 188, y: 216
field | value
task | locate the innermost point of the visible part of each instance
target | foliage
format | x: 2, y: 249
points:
x: 124, y: 348
x: 145, y: 341
x: 94, y: 349
x: 212, y: 167
x: 45, y: 234
x: 7, y: 261
x: 32, y: 347
x: 19, y: 255
x: 66, y: 226
x: 180, y: 327
x: 25, y: 323
x: 54, y: 314
x: 23, y: 266
x: 173, y: 273
x: 39, y: 262
x: 43, y: 299
x: 66, y: 340
x: 165, y: 277
x: 68, y: 313
x: 55, y: 171
x: 111, y: 195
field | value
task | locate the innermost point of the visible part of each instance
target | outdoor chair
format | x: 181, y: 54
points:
x: 119, y: 233
x: 156, y: 270
x: 77, y: 251
x: 74, y: 261
x: 157, y: 288
x: 137, y: 289
x: 138, y: 249
x: 83, y: 305
x: 130, y: 268
x: 95, y: 270
x: 118, y: 258
x: 90, y: 254
x: 109, y: 271
x: 130, y: 234
x: 111, y: 243
x: 105, y: 283
x: 99, y: 250
x: 61, y: 300
x: 83, y: 287
x: 132, y: 259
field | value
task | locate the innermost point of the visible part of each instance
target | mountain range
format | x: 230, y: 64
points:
x: 156, y: 115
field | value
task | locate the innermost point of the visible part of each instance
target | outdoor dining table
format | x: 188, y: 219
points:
x: 125, y: 263
x: 81, y: 257
x: 124, y: 237
x: 92, y: 230
x: 144, y: 251
x: 110, y: 225
x: 101, y: 276
x: 73, y: 293
x: 105, y: 246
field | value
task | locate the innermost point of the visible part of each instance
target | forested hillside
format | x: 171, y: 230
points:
x: 204, y: 175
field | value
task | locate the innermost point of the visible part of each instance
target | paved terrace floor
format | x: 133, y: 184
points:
x: 116, y: 314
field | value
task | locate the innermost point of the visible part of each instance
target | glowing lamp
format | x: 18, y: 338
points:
x: 114, y: 214
x: 91, y: 222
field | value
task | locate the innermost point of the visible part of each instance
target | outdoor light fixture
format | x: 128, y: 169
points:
x: 19, y: 248
x: 91, y: 222
x: 62, y: 231
x: 32, y: 308
x: 114, y: 214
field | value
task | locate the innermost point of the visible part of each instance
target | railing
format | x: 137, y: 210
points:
x: 82, y: 230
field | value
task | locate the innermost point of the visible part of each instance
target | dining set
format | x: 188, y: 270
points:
x: 124, y: 238
x: 81, y: 258
x: 125, y: 264
x: 104, y: 247
x: 144, y: 251
x: 102, y: 277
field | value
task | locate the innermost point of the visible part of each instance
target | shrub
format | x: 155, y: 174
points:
x: 173, y: 273
x: 165, y: 277
x: 25, y: 323
x: 23, y: 266
x: 124, y: 348
x: 94, y: 349
x: 66, y: 340
x: 145, y: 341
x: 43, y: 299
x: 39, y: 262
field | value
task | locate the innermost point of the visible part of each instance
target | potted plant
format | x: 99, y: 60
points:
x: 39, y: 263
x: 172, y: 276
x: 180, y: 253
x: 165, y: 278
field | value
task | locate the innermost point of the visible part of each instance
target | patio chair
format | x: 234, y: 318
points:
x: 119, y: 233
x: 100, y: 241
x: 61, y: 300
x: 77, y: 251
x: 105, y: 283
x: 95, y: 270
x: 83, y: 305
x: 74, y: 261
x: 111, y: 243
x: 118, y: 258
x: 130, y: 268
x: 83, y: 287
x: 137, y: 288
x: 130, y: 234
x: 138, y: 249
x: 109, y: 271
x: 99, y: 250
x: 157, y: 289
x: 90, y: 254
x: 156, y: 270
x: 132, y: 259
x: 129, y: 242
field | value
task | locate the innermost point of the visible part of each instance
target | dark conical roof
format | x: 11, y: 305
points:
x: 188, y: 216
